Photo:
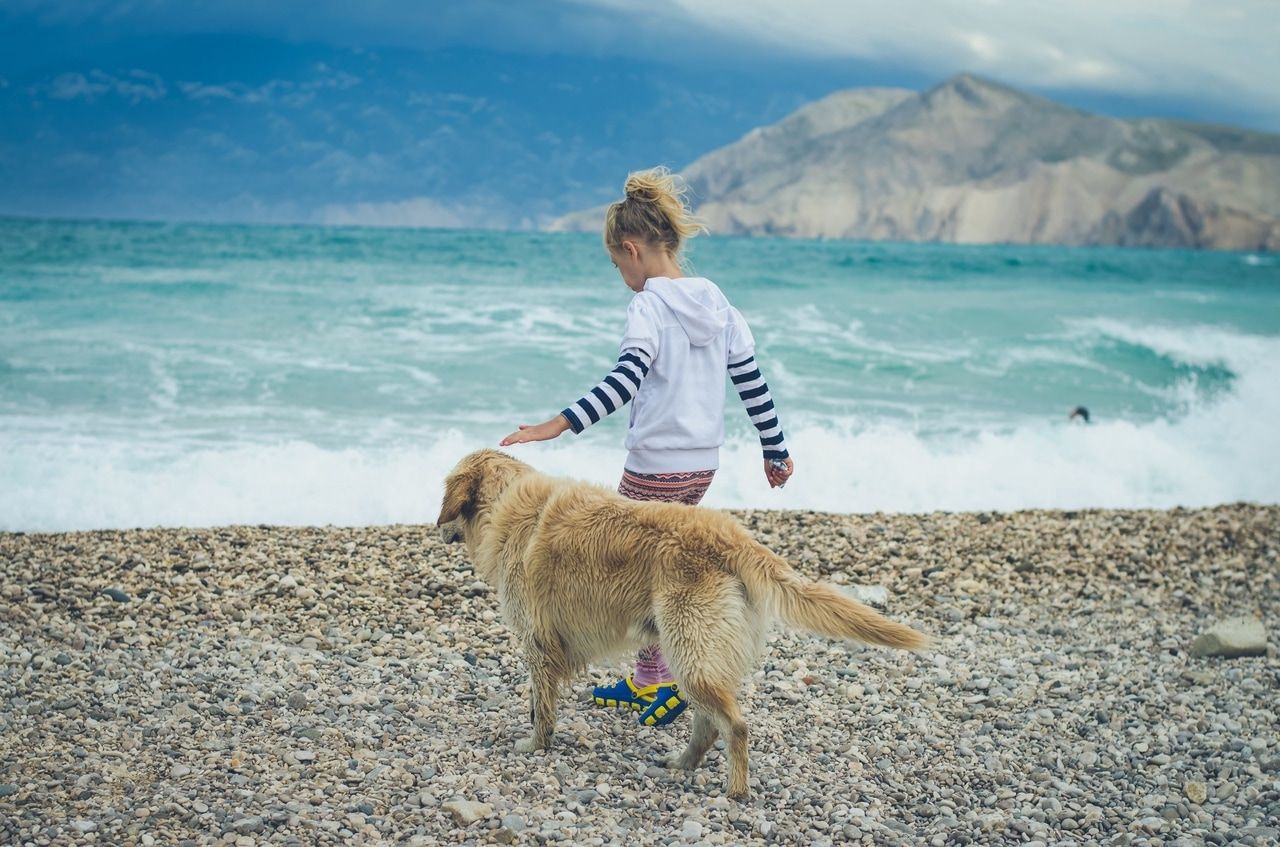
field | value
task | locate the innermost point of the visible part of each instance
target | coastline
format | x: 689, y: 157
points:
x: 302, y: 684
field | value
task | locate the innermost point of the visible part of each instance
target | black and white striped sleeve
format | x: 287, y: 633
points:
x: 611, y: 393
x: 754, y: 392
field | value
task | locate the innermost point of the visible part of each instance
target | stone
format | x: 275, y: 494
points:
x: 249, y: 825
x: 870, y: 595
x: 116, y: 594
x: 1231, y: 638
x: 691, y: 831
x: 8, y: 788
x: 1196, y: 792
x: 515, y: 823
x: 297, y: 701
x: 467, y: 812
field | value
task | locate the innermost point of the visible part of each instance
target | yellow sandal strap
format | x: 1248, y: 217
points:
x: 649, y: 692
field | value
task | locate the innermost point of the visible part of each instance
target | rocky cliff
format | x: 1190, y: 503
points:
x: 973, y: 161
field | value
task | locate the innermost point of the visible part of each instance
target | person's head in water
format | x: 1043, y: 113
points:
x: 1079, y: 412
x: 645, y: 230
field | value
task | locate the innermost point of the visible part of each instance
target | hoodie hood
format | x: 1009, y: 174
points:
x: 702, y: 310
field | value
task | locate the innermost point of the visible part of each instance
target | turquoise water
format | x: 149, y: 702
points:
x: 196, y: 375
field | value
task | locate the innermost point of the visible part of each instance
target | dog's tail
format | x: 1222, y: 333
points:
x: 818, y: 608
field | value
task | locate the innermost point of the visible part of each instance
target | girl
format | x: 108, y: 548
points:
x: 681, y: 336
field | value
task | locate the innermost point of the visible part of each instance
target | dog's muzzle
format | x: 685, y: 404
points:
x: 451, y: 533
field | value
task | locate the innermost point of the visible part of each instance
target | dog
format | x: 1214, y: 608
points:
x: 583, y: 574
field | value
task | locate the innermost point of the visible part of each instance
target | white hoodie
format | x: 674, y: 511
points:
x: 691, y: 333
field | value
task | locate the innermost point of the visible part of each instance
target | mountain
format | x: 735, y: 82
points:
x: 973, y: 161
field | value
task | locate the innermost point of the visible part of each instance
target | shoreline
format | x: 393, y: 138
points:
x: 738, y: 512
x: 295, y: 685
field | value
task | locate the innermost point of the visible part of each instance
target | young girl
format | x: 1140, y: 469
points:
x: 681, y: 338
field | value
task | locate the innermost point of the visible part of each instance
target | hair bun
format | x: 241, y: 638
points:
x: 654, y: 210
x: 648, y: 186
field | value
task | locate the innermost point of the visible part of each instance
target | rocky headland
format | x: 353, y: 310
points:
x: 974, y: 161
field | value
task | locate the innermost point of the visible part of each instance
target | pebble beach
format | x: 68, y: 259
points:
x: 279, y: 685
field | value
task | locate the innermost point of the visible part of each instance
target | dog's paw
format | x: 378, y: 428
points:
x: 528, y: 745
x: 678, y: 763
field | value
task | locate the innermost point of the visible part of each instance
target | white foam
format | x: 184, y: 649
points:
x: 1222, y: 449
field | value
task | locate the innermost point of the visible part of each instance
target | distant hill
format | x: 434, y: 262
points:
x: 973, y: 161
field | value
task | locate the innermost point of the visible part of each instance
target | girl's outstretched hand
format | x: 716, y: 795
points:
x: 544, y: 431
x: 778, y: 476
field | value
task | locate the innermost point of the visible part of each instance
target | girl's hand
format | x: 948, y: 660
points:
x: 777, y: 476
x: 544, y: 431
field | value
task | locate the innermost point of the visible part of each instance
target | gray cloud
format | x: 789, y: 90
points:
x: 1225, y: 49
x: 134, y: 86
x: 284, y: 91
x: 1210, y: 52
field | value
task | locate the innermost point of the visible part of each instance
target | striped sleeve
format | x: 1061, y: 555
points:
x: 611, y: 393
x: 754, y: 392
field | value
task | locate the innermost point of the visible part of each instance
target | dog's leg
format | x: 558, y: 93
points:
x: 704, y: 735
x: 544, y: 690
x: 738, y: 789
x: 709, y: 646
x: 721, y: 708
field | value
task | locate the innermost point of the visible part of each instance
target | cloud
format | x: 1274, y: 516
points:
x: 135, y: 86
x: 1212, y: 52
x: 1208, y: 50
x: 283, y: 91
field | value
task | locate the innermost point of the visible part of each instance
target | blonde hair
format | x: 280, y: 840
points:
x: 654, y: 211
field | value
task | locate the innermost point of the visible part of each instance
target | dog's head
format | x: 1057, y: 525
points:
x: 471, y: 487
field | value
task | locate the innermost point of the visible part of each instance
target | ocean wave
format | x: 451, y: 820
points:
x: 1223, y: 453
x: 1206, y: 447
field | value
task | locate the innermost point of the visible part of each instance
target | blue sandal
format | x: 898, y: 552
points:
x: 624, y: 694
x: 667, y: 706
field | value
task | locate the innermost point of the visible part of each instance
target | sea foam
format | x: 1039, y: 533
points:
x: 1218, y: 450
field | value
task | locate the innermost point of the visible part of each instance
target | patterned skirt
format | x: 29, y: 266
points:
x: 686, y: 487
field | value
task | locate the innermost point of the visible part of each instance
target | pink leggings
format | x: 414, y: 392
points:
x: 684, y: 487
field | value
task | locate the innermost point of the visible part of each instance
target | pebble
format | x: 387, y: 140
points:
x: 466, y: 812
x: 1231, y: 638
x: 283, y: 688
x: 116, y: 594
x: 1196, y: 792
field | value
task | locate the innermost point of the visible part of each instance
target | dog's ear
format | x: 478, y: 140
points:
x: 459, y: 494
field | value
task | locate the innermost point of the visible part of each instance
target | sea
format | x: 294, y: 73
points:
x: 200, y: 375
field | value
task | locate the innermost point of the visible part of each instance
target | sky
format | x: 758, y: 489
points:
x: 487, y: 113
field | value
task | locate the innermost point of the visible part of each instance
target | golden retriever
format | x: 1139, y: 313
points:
x: 583, y: 574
